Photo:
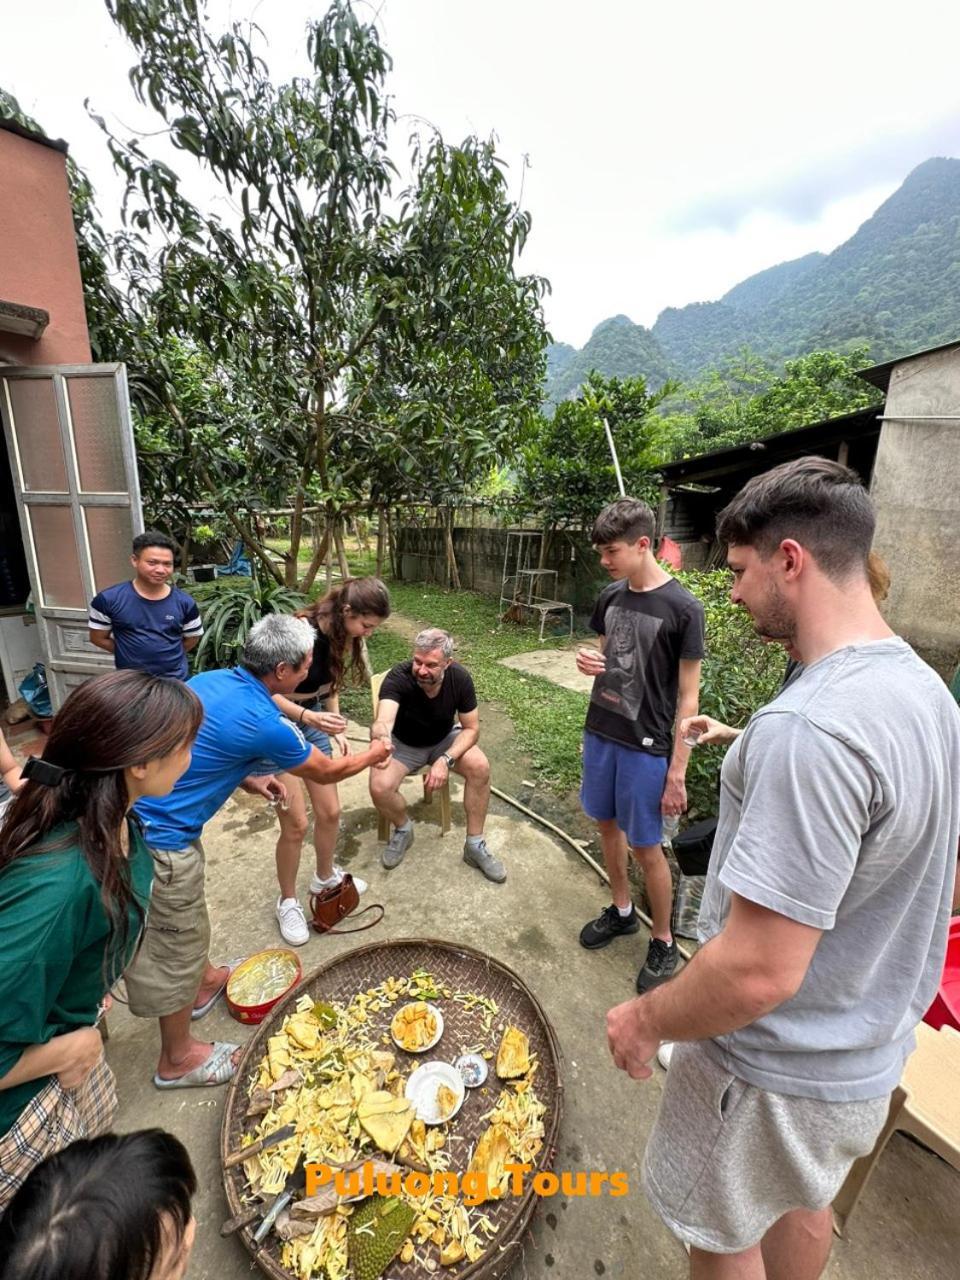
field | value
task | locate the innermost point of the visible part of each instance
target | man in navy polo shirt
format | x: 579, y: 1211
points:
x: 171, y: 977
x: 147, y: 624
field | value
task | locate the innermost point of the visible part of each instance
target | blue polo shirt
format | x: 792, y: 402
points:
x: 148, y: 635
x: 241, y: 726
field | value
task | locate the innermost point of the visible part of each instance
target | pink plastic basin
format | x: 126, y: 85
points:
x: 946, y: 1004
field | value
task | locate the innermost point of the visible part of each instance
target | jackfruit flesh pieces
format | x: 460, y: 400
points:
x: 490, y: 1157
x: 385, y: 1118
x: 513, y: 1058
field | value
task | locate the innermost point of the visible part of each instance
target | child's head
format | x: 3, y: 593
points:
x: 622, y: 533
x: 110, y: 1208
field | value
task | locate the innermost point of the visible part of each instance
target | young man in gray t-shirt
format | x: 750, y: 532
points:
x: 825, y: 914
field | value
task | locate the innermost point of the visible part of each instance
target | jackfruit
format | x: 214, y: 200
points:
x: 513, y: 1058
x: 278, y: 1056
x: 446, y: 1101
x: 376, y: 1234
x: 414, y: 1026
x: 489, y: 1158
x: 386, y: 1119
x: 304, y: 1030
x: 452, y: 1254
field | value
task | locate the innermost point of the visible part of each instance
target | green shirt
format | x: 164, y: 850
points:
x: 54, y: 934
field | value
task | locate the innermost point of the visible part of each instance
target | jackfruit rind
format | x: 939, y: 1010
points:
x: 513, y: 1057
x: 376, y: 1234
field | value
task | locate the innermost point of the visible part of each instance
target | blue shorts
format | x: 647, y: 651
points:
x: 626, y: 785
x: 317, y: 737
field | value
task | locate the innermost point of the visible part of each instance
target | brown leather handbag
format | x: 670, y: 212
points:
x: 332, y: 905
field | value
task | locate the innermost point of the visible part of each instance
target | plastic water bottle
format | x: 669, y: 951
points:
x: 671, y: 827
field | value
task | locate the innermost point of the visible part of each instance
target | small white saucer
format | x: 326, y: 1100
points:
x: 422, y: 1090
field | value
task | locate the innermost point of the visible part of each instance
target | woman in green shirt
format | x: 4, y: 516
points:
x: 75, y: 877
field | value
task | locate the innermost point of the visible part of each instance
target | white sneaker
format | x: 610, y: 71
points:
x: 665, y: 1053
x: 317, y: 885
x: 292, y: 922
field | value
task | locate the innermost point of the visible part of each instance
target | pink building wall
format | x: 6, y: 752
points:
x: 39, y: 266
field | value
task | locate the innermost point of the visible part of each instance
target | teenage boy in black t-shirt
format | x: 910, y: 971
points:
x: 646, y: 680
x: 420, y: 704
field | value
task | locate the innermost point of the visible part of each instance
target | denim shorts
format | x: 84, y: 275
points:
x: 626, y: 785
x: 316, y: 737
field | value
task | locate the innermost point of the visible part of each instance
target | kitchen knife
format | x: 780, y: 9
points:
x: 296, y: 1181
x: 271, y: 1140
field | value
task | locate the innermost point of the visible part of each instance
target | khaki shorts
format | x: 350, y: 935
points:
x: 725, y: 1159
x: 166, y: 972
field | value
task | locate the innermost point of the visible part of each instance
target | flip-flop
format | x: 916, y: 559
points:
x: 196, y: 1014
x: 217, y: 1069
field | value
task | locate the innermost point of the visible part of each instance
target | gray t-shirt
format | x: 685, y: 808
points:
x: 840, y: 809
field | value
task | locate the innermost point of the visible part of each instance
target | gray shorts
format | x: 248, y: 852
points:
x: 725, y: 1159
x: 414, y: 758
x: 167, y: 970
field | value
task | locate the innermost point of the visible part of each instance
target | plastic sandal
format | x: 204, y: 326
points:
x: 217, y: 1069
x: 196, y: 1014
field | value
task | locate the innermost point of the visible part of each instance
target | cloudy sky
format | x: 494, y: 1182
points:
x: 672, y: 150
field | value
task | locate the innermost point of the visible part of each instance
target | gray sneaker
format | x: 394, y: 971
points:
x: 479, y: 856
x: 396, y: 847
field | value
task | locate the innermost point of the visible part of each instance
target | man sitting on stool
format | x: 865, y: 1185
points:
x: 419, y: 701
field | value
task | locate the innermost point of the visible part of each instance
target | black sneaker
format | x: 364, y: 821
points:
x: 608, y: 925
x: 661, y: 963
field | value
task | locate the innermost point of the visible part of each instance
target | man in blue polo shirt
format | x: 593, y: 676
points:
x: 171, y: 977
x: 147, y: 624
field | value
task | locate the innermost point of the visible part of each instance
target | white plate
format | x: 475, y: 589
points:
x: 430, y: 1043
x: 422, y: 1090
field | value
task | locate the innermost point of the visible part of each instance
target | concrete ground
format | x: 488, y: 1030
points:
x: 557, y: 665
x: 907, y: 1227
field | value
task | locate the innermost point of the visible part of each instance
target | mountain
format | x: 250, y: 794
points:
x: 895, y: 284
x: 618, y: 347
x: 757, y: 292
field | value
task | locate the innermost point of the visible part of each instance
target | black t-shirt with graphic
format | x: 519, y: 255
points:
x: 423, y: 721
x: 647, y: 633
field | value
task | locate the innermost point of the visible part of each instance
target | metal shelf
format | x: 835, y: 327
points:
x: 520, y: 585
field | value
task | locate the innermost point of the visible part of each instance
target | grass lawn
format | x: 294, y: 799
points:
x: 548, y: 719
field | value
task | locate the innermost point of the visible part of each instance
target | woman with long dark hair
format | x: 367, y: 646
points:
x: 346, y: 616
x: 75, y: 877
x: 109, y: 1208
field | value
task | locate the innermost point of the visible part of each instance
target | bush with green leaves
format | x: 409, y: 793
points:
x: 565, y: 471
x: 229, y: 609
x: 740, y: 674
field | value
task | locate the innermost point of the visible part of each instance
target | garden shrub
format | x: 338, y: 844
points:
x: 740, y: 674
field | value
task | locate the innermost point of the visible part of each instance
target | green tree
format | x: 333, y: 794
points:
x: 566, y: 472
x: 338, y: 312
x: 747, y: 400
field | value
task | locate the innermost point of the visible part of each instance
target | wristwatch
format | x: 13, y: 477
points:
x: 447, y: 760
